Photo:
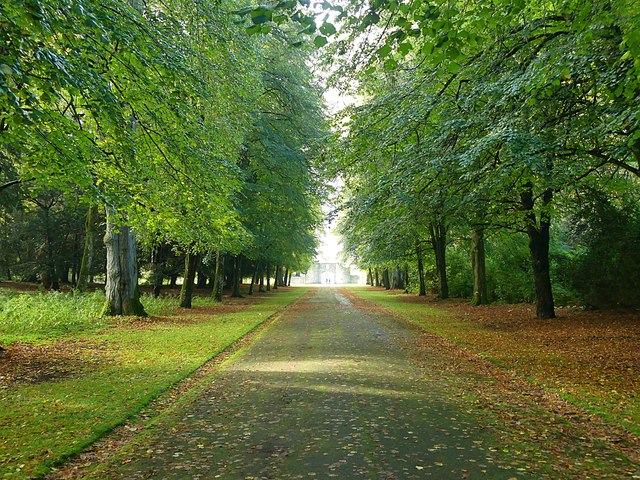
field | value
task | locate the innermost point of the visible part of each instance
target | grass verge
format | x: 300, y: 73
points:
x: 123, y: 367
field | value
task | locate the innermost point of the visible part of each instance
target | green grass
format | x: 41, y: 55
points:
x: 41, y: 424
x: 45, y: 316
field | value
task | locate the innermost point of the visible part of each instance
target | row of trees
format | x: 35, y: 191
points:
x: 484, y: 118
x: 157, y: 122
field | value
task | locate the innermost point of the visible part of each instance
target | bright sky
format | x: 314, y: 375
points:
x: 329, y: 250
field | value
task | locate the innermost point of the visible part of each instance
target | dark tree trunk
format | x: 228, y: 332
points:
x: 395, y: 278
x: 190, y: 267
x: 377, y: 278
x: 406, y: 278
x: 268, y: 272
x: 261, y: 287
x: 237, y: 276
x: 202, y: 278
x: 439, y: 242
x: 285, y: 278
x: 173, y: 280
x: 539, y: 249
x: 385, y: 279
x: 289, y: 279
x: 122, y: 291
x: 370, y: 277
x: 157, y: 274
x: 478, y: 265
x: 218, y: 280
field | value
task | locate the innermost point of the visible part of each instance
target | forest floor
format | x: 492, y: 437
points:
x: 339, y: 388
x: 59, y: 394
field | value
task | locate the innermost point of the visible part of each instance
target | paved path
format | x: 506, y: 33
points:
x: 329, y: 391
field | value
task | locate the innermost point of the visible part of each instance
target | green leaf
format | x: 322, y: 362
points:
x: 454, y: 67
x: 320, y: 41
x: 328, y: 29
x: 259, y: 20
x: 390, y: 64
x: 405, y: 48
x: 383, y: 51
x: 370, y: 18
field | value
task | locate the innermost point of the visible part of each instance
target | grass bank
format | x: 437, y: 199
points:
x: 97, y: 375
x: 590, y: 358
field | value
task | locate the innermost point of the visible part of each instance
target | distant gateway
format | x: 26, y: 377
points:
x: 326, y: 274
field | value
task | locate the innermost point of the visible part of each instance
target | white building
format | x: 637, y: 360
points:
x: 327, y: 269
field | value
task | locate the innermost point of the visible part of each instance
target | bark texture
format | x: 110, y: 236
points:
x: 439, y: 243
x: 218, y: 280
x: 237, y: 276
x: 385, y: 279
x: 123, y: 294
x: 478, y: 264
x: 190, y: 267
x: 539, y: 248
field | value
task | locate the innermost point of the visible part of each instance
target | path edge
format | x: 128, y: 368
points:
x: 113, y: 439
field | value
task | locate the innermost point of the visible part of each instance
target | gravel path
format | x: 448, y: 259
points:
x: 328, y: 391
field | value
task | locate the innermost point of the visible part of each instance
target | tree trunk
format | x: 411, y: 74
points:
x: 398, y: 281
x: 377, y: 278
x: 218, y: 280
x: 202, y: 278
x: 478, y: 265
x: 285, y: 278
x: 123, y: 294
x: 253, y: 280
x: 539, y: 249
x: 289, y: 279
x: 268, y: 278
x: 276, y: 281
x: 385, y: 279
x: 261, y: 287
x: 423, y: 287
x: 406, y: 278
x: 190, y: 267
x: 369, y: 277
x: 237, y: 276
x: 439, y: 242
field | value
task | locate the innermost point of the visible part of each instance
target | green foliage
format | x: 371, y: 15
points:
x: 474, y: 121
x: 150, y: 110
x: 603, y: 265
x: 509, y: 269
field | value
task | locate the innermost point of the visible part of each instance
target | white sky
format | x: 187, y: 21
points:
x: 330, y: 248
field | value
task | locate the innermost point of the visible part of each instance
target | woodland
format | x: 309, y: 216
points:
x: 490, y: 147
x: 156, y: 153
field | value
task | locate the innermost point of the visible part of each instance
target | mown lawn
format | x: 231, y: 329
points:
x: 91, y: 374
x: 592, y: 359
